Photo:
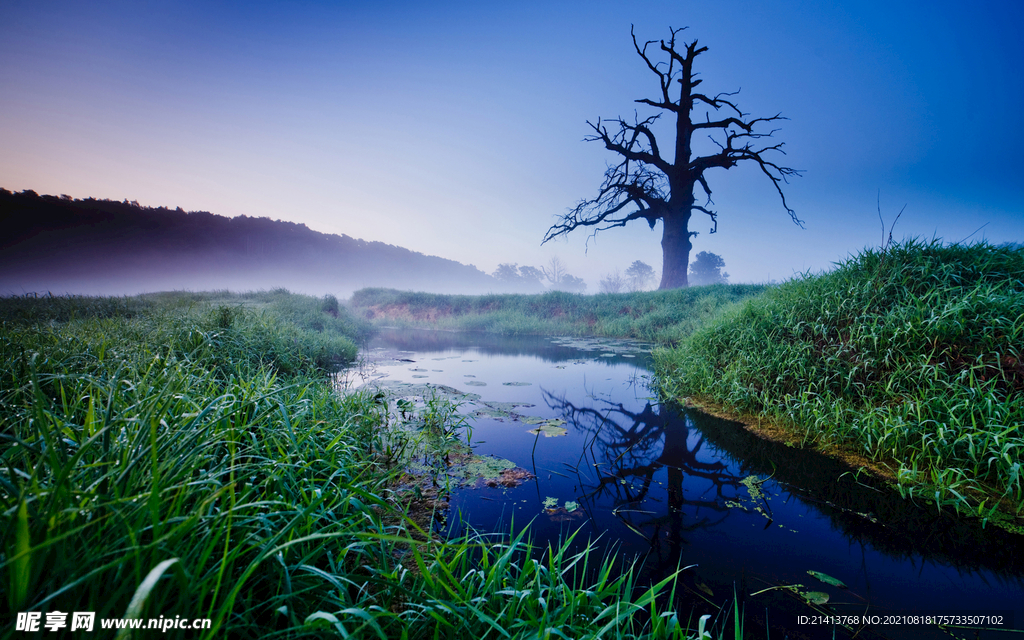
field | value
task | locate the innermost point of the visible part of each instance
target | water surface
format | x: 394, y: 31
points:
x: 673, y: 487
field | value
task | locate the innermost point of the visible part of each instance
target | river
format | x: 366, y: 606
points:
x: 671, y: 486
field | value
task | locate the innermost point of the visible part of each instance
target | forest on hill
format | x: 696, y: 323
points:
x: 87, y: 246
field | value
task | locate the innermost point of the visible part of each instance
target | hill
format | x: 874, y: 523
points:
x: 101, y: 247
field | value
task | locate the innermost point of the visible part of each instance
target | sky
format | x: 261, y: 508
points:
x: 456, y: 128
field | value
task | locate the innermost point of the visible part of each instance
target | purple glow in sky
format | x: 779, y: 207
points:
x: 455, y: 128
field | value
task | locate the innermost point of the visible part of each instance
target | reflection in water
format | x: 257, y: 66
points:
x: 629, y: 445
x: 636, y: 445
x: 676, y: 487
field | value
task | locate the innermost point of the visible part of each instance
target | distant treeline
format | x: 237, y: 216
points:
x: 61, y: 244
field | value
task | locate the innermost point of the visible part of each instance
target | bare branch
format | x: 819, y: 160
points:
x: 645, y: 185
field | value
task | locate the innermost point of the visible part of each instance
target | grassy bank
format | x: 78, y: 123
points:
x: 656, y: 316
x: 910, y: 355
x: 185, y: 455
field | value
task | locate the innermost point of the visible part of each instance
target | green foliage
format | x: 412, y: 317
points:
x: 657, y: 316
x: 707, y: 269
x: 640, y: 275
x: 189, y: 457
x: 911, y: 354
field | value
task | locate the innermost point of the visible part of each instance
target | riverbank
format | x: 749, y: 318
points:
x: 909, y: 356
x: 905, y: 361
x: 653, y: 316
x: 186, y: 456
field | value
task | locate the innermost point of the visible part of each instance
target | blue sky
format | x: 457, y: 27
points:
x: 455, y: 128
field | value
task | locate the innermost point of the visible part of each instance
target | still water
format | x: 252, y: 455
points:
x: 674, y: 487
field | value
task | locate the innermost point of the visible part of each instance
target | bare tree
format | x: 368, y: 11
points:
x: 555, y: 271
x: 613, y: 282
x: 647, y: 185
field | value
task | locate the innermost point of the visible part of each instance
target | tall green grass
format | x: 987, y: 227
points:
x: 173, y: 457
x: 910, y: 355
x: 657, y: 316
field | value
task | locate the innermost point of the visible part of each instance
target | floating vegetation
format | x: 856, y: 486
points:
x: 550, y: 428
x: 517, y: 384
x: 827, y: 579
x: 757, y: 498
x: 475, y: 383
x: 510, y: 478
x: 566, y: 513
x: 608, y: 347
x: 815, y: 597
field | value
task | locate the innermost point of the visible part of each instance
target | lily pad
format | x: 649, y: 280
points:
x: 571, y: 506
x: 555, y: 422
x: 815, y: 597
x: 827, y: 579
x: 550, y: 429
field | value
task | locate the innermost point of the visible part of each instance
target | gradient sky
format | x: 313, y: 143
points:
x: 455, y: 128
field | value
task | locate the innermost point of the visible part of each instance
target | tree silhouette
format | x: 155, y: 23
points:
x: 639, y: 274
x: 647, y: 185
x: 613, y: 282
x: 561, y: 280
x: 523, y: 278
x: 707, y: 269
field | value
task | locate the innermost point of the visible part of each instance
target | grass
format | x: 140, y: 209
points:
x: 910, y: 355
x: 655, y: 316
x: 186, y: 455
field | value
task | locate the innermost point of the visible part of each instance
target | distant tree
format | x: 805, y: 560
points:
x: 558, y: 276
x: 639, y: 275
x: 525, y: 277
x: 570, y: 283
x: 532, y: 276
x: 613, y: 283
x: 707, y: 269
x: 656, y: 182
x: 507, y: 272
x: 555, y: 270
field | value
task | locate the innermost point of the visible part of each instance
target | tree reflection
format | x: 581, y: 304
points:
x: 626, y: 448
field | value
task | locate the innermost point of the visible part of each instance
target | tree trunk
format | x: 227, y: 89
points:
x: 675, y: 250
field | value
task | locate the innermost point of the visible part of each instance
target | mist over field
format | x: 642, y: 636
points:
x: 90, y: 247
